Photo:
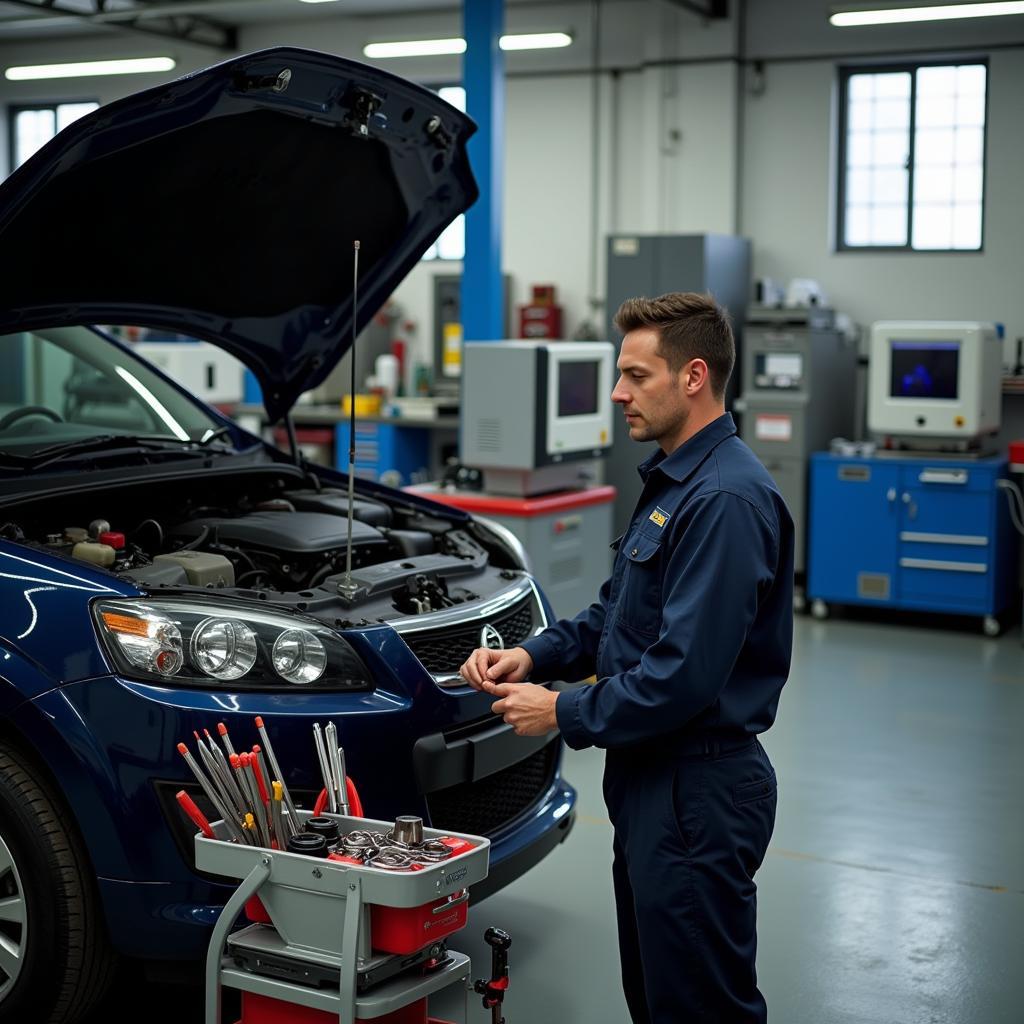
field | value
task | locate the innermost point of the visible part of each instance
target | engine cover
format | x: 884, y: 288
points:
x: 298, y: 533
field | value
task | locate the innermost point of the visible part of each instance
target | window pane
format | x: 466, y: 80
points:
x: 858, y: 149
x: 861, y: 116
x: 858, y: 186
x: 970, y: 110
x: 967, y: 187
x: 935, y: 146
x: 891, y: 149
x: 891, y: 114
x: 893, y: 85
x: 68, y: 112
x: 933, y: 185
x: 940, y: 81
x: 933, y: 226
x: 451, y: 245
x: 967, y: 226
x: 934, y: 111
x: 969, y: 145
x: 858, y: 225
x: 32, y: 130
x: 862, y: 87
x: 889, y: 225
x: 455, y: 95
x: 890, y: 186
x: 970, y: 79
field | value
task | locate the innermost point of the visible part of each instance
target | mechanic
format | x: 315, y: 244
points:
x: 690, y: 639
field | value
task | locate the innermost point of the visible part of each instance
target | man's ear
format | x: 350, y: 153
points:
x: 696, y: 376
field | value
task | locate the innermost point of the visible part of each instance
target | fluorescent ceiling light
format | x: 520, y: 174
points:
x: 536, y: 41
x: 415, y: 48
x: 434, y: 47
x: 84, y: 69
x: 944, y: 12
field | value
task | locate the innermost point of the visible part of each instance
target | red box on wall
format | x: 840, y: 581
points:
x: 541, y: 317
x: 1017, y: 455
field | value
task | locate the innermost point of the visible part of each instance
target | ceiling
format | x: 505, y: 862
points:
x: 214, y: 23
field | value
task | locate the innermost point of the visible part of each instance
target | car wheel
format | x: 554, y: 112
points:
x: 55, y: 957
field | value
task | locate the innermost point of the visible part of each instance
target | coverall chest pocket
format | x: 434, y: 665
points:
x: 640, y: 600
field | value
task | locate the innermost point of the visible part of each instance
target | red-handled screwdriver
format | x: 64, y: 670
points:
x: 188, y: 805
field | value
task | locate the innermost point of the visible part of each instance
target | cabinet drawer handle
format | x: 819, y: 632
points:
x: 965, y: 539
x: 941, y: 566
x: 943, y: 476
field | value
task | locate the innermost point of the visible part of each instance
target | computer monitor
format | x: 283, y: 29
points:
x: 531, y: 410
x: 938, y: 380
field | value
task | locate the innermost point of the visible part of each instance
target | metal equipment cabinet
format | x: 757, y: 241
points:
x: 912, y: 533
x: 797, y: 373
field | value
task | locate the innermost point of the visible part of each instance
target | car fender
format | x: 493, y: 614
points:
x: 52, y: 734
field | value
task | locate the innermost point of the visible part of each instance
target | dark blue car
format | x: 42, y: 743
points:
x: 162, y: 571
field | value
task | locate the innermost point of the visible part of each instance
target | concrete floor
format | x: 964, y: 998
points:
x: 893, y: 890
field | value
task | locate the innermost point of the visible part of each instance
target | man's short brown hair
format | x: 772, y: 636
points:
x: 690, y: 326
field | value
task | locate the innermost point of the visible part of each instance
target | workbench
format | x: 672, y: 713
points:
x: 396, y: 450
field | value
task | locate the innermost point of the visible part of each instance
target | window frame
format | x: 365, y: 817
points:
x: 14, y: 109
x: 847, y: 71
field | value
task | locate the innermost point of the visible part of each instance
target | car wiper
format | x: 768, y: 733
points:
x: 213, y: 435
x: 107, y: 442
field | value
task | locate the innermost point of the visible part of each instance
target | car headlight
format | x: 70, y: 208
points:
x: 198, y: 644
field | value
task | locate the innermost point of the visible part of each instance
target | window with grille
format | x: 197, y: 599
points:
x: 33, y: 127
x: 912, y: 157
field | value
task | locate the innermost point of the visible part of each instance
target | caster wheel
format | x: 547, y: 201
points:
x: 992, y: 626
x: 819, y: 609
x: 799, y: 602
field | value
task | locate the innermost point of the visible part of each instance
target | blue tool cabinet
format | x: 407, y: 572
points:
x: 913, y: 533
x: 392, y: 454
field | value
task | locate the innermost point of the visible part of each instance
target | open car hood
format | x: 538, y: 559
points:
x: 224, y: 205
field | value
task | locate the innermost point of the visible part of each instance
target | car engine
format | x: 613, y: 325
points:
x: 278, y: 539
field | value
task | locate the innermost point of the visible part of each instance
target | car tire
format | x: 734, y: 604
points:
x: 55, y: 958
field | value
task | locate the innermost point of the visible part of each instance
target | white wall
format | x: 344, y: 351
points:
x: 788, y: 204
x: 681, y: 147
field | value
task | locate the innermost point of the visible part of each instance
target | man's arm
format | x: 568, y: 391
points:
x: 568, y: 649
x: 724, y: 560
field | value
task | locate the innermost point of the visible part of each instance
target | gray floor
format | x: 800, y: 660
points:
x: 894, y: 887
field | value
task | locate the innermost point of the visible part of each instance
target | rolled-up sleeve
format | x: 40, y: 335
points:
x: 721, y: 563
x: 568, y: 649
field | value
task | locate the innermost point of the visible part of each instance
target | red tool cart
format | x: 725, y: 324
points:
x: 338, y: 940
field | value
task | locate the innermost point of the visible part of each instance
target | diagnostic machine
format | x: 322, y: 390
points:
x: 935, y: 384
x: 536, y: 414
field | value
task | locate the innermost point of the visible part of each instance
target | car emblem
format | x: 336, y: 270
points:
x: 490, y: 637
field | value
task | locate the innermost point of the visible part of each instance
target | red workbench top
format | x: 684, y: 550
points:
x: 503, y: 505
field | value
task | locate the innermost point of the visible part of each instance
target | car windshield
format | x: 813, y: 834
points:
x: 70, y: 384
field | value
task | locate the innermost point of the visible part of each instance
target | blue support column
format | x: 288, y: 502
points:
x: 483, y: 74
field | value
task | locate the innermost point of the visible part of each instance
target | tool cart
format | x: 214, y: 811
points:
x: 335, y: 939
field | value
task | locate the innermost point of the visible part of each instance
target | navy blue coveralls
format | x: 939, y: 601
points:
x: 690, y: 639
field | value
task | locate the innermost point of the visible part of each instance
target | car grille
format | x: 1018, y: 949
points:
x: 484, y: 807
x: 442, y: 651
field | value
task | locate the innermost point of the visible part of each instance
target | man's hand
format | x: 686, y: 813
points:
x: 488, y: 665
x: 528, y: 708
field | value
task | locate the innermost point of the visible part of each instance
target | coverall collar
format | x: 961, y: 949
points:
x: 690, y: 454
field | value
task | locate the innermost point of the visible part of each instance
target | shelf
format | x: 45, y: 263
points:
x: 382, y: 999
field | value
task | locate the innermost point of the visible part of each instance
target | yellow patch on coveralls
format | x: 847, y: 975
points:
x: 658, y: 517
